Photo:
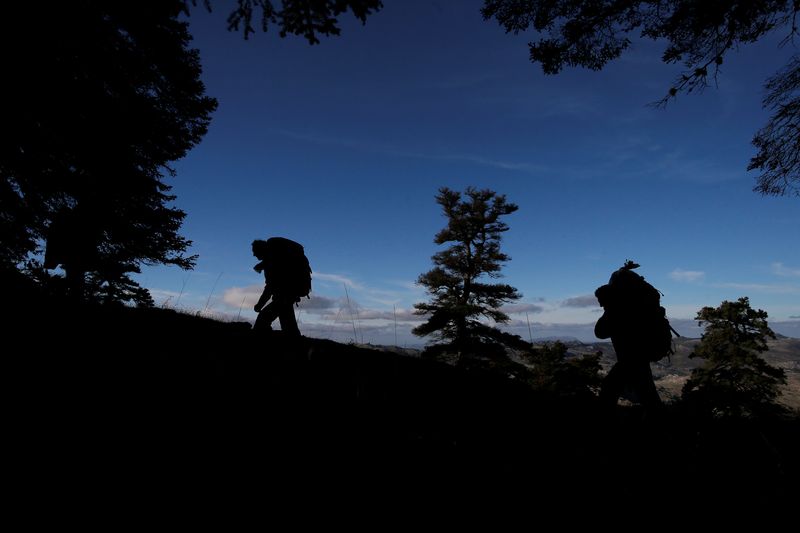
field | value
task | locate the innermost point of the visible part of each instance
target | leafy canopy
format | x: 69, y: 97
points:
x: 309, y: 18
x: 100, y: 100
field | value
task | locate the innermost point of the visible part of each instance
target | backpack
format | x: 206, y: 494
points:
x: 661, y: 333
x: 288, y: 267
x: 638, y: 303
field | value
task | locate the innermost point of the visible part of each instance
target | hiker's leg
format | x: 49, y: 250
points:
x: 288, y: 320
x: 646, y: 387
x: 262, y: 323
x: 266, y: 317
x: 612, y: 386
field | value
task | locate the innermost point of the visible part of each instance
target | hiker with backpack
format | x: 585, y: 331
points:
x: 636, y: 323
x: 287, y: 276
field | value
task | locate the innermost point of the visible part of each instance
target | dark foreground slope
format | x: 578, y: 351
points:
x: 128, y: 411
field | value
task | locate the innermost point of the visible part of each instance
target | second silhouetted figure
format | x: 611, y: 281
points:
x: 287, y: 278
x: 640, y: 333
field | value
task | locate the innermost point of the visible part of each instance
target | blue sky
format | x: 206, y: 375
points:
x: 342, y: 146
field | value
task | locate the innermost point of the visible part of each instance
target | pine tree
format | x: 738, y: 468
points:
x: 734, y: 381
x: 460, y: 292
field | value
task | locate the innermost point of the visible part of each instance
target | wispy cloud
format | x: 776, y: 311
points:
x: 379, y: 148
x: 488, y: 162
x: 401, y: 315
x: 587, y: 300
x: 372, y: 295
x: 637, y: 157
x: 318, y: 303
x: 410, y: 289
x: 759, y: 287
x: 687, y: 276
x: 246, y: 297
x: 779, y: 269
x: 544, y: 330
x: 513, y: 309
x: 338, y: 279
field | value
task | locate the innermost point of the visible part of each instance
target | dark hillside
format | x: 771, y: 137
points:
x: 115, y: 406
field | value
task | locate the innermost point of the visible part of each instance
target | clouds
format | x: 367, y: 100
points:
x: 237, y: 297
x: 779, y: 269
x: 335, y: 319
x: 781, y: 287
x: 776, y: 269
x: 543, y: 306
x: 401, y: 315
x: 338, y: 318
x: 382, y: 312
x: 687, y: 276
x: 520, y: 308
x: 587, y: 300
x: 392, y: 150
x: 319, y: 303
x: 761, y: 286
x: 336, y: 279
x: 320, y: 307
x: 767, y: 288
x: 581, y: 309
x: 378, y: 315
x: 544, y: 330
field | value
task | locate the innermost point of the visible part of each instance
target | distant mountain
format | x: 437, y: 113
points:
x: 566, y: 339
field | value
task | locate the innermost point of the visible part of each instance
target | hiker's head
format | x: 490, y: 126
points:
x: 603, y: 295
x: 260, y: 249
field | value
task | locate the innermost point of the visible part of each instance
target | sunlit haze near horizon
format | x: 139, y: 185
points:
x: 342, y: 147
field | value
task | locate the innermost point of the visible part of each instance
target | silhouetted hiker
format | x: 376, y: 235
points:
x: 628, y: 320
x: 287, y: 277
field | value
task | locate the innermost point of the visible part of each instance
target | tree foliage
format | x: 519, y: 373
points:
x: 697, y: 34
x: 554, y: 373
x: 309, y: 18
x: 100, y: 99
x: 778, y: 142
x: 734, y: 380
x: 460, y: 292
